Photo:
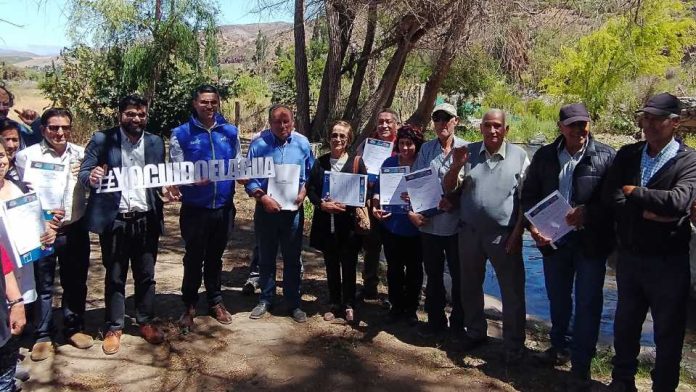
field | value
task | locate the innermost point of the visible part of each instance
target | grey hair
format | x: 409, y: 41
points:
x: 492, y: 111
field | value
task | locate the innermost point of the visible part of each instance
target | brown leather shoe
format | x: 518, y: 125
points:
x: 81, y: 340
x: 41, y: 351
x: 151, y: 334
x: 112, y: 342
x: 221, y: 314
x: 186, y: 320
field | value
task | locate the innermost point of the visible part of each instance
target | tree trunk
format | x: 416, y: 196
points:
x: 359, y: 77
x: 301, y: 78
x: 330, y: 90
x: 412, y: 31
x: 457, y: 34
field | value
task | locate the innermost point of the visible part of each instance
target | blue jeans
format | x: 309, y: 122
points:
x: 568, y: 266
x: 8, y: 364
x: 283, y: 228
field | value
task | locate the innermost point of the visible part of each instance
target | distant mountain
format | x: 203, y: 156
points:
x: 237, y: 42
x: 16, y: 53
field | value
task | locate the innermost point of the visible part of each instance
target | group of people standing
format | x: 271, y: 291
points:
x: 637, y: 201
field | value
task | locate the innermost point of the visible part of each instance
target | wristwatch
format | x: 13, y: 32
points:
x: 15, y: 302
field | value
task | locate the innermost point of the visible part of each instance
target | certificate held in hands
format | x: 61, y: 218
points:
x: 50, y: 181
x: 548, y: 216
x: 375, y: 153
x: 285, y: 186
x: 21, y: 226
x: 346, y: 188
x: 424, y: 190
x: 391, y: 185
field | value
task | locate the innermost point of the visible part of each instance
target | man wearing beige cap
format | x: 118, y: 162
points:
x: 439, y: 232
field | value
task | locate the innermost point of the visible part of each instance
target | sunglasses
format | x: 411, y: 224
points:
x: 56, y: 128
x: 440, y: 117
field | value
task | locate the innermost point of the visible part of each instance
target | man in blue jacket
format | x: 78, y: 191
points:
x: 278, y: 221
x: 207, y: 208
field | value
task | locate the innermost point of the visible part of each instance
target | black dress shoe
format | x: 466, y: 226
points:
x: 468, y: 343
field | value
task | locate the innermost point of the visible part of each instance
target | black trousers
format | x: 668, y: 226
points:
x: 372, y: 245
x: 205, y: 233
x: 340, y: 261
x: 72, y: 256
x: 661, y: 284
x: 436, y: 250
x: 134, y: 241
x: 404, y: 271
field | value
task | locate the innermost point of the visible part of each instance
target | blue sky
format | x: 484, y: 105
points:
x: 42, y: 28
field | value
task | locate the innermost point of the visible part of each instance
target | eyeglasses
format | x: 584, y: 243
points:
x: 337, y: 135
x: 439, y: 117
x: 135, y: 114
x: 56, y: 128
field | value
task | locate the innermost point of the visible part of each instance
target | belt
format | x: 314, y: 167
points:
x: 131, y: 215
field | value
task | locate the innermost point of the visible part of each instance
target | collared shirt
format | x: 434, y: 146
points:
x: 293, y: 150
x: 493, y: 159
x: 433, y: 155
x: 568, y: 163
x: 75, y: 199
x: 132, y: 154
x: 649, y: 166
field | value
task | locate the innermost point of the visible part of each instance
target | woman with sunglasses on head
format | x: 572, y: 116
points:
x: 333, y: 223
x: 402, y: 245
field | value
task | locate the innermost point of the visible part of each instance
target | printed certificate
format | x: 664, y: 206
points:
x: 424, y: 190
x: 346, y: 188
x: 549, y: 216
x: 374, y: 154
x: 285, y: 186
x: 391, y: 185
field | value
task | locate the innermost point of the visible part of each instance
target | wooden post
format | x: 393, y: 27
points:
x: 237, y: 113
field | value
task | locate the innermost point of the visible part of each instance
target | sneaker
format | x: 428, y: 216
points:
x: 258, y: 311
x: 299, y: 316
x: 552, y: 356
x: 41, y: 351
x: 349, y: 315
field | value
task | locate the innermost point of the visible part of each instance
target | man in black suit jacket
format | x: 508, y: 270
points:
x: 129, y: 223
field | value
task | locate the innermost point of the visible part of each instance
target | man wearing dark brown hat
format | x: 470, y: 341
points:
x: 650, y: 188
x: 575, y: 165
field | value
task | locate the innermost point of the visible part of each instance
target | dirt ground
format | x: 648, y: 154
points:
x: 274, y: 353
